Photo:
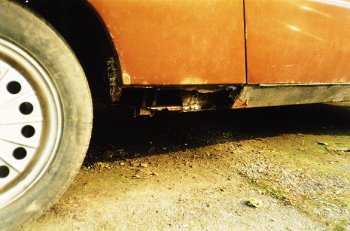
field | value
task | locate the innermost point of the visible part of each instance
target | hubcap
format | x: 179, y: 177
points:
x: 30, y: 122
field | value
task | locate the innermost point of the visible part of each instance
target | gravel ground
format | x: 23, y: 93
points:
x: 284, y: 168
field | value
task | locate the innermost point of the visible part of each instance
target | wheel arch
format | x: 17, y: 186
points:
x: 85, y: 32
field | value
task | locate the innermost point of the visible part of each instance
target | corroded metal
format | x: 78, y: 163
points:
x: 235, y: 97
x: 114, y: 79
x: 279, y: 95
x: 211, y: 42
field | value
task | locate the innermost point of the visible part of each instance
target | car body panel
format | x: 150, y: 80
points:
x: 177, y: 42
x: 298, y: 41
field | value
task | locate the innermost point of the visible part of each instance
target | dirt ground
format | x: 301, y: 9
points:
x: 282, y: 168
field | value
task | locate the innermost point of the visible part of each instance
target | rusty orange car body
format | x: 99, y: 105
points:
x: 179, y: 55
x: 203, y: 41
x: 177, y: 42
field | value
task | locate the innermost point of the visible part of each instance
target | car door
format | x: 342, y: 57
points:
x: 173, y: 42
x: 298, y: 41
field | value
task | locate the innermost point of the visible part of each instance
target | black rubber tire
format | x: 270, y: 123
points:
x: 28, y: 31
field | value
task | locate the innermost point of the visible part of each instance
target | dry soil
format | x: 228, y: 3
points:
x: 285, y: 168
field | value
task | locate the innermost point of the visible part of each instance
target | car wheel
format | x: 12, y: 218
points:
x: 45, y: 115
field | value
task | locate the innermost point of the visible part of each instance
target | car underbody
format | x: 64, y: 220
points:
x: 146, y: 101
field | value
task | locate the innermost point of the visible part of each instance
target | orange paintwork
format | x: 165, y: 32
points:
x: 298, y: 41
x: 177, y: 42
x: 163, y: 42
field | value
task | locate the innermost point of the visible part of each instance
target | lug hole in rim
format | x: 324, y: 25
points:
x: 26, y: 108
x: 4, y: 171
x: 19, y: 153
x: 14, y: 87
x: 28, y: 131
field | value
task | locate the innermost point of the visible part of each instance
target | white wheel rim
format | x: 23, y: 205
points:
x: 30, y: 122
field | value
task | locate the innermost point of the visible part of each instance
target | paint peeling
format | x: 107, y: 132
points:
x: 113, y: 73
x: 126, y: 79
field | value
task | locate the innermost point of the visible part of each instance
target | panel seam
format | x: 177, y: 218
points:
x: 245, y: 42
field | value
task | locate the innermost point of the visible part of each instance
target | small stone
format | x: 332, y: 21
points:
x: 137, y: 176
x: 339, y: 149
x: 122, y: 163
x: 253, y: 202
x: 322, y: 143
x: 144, y: 165
x: 134, y: 163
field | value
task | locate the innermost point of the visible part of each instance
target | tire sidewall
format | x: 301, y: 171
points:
x: 32, y: 34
